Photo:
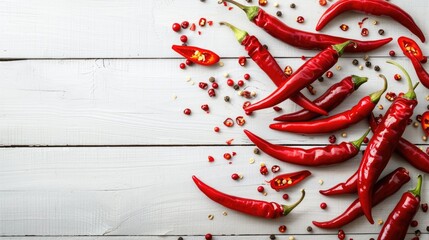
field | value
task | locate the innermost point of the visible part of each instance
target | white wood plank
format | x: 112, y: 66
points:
x: 126, y: 102
x: 141, y: 29
x: 149, y: 191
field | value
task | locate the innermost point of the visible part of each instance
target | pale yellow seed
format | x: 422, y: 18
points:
x: 224, y: 213
x: 210, y: 217
x: 379, y: 222
x: 276, y: 4
x: 253, y: 94
x: 380, y: 107
x: 289, y: 181
x: 251, y: 160
x: 265, y: 193
x: 226, y: 74
x: 291, y: 238
x: 374, y: 22
x: 321, y: 181
x: 241, y: 176
x: 425, y: 138
x: 192, y: 82
x: 344, y: 134
x: 262, y: 164
x: 338, y: 67
x: 188, y: 78
x: 174, y: 97
x: 360, y: 67
x: 427, y: 98
x: 240, y: 93
x: 221, y: 64
x: 415, y: 124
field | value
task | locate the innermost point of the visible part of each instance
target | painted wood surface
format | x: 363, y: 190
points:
x: 94, y: 144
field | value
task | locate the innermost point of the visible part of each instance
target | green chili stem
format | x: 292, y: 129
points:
x: 357, y: 81
x: 239, y: 34
x: 375, y: 96
x: 358, y: 143
x: 251, y: 11
x: 410, y: 94
x: 342, y: 46
x: 288, y: 208
x: 417, y: 191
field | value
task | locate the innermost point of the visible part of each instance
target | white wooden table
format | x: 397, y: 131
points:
x: 95, y: 144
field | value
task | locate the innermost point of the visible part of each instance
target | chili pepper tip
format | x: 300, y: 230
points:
x: 410, y: 94
x: 239, y: 34
x: 375, y: 96
x: 251, y: 11
x: 288, y: 208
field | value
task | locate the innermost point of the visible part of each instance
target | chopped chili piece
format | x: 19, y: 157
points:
x: 425, y: 122
x: 197, y: 55
x: 228, y: 122
x: 364, y: 32
x: 344, y: 27
x: 242, y: 61
x: 193, y: 27
x: 288, y: 180
x: 300, y: 19
x: 202, y: 22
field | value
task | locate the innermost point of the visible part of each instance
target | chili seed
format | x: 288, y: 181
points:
x: 276, y: 4
x: 360, y: 67
x: 414, y: 223
x: 227, y: 156
x: 228, y: 122
x: 211, y: 158
x: 343, y: 134
x: 288, y: 70
x: 322, y: 2
x: 379, y: 222
x: 380, y: 107
x: 285, y: 196
x: 272, y: 237
x: 263, y: 2
x: 240, y: 120
x: 182, y: 66
x: 242, y: 61
x: 397, y: 77
x: 256, y: 151
x: 176, y: 27
x: 377, y: 68
x: 211, y: 92
x: 338, y: 67
x: 246, y: 104
x: 392, y: 53
x: 344, y: 27
x: 282, y: 228
x: 424, y: 138
x: 381, y: 32
x: 215, y: 85
x: 246, y: 76
x: 251, y: 160
x: 424, y: 207
x: 329, y: 74
x: 183, y: 38
x: 323, y: 205
x: 235, y: 176
x: 260, y: 189
x: 368, y: 64
x: 364, y: 32
x: 309, y: 229
x: 208, y: 236
x: 300, y: 19
x: 226, y: 98
x: 391, y: 96
x: 230, y: 82
x: 292, y: 5
x: 415, y: 124
x: 212, y: 79
x: 355, y: 62
x: 279, y: 13
x: 187, y: 111
x: 275, y: 168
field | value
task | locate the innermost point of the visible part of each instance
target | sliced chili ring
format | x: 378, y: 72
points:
x: 197, y: 55
x: 411, y: 49
x: 288, y: 179
x: 425, y: 122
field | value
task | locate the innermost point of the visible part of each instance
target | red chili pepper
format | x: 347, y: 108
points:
x: 384, y: 141
x: 339, y: 121
x: 425, y: 122
x: 197, y: 55
x: 410, y: 152
x: 374, y: 7
x: 349, y: 186
x: 384, y: 188
x: 248, y: 206
x: 299, y: 38
x: 414, y: 53
x: 328, y: 101
x: 263, y: 58
x: 396, y: 225
x: 288, y: 179
x: 318, y: 156
x: 305, y: 75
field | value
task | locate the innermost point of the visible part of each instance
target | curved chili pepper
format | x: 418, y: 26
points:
x: 335, y: 122
x: 328, y: 101
x: 410, y: 152
x: 384, y: 188
x: 396, y: 225
x: 288, y: 179
x: 349, y: 186
x: 384, y: 141
x: 262, y: 57
x: 317, y: 156
x: 305, y: 75
x: 299, y: 38
x: 248, y: 206
x: 414, y: 53
x: 374, y: 7
x: 197, y: 55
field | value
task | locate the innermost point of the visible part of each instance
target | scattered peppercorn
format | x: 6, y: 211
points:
x: 292, y: 5
x: 256, y: 151
x: 344, y: 27
x: 364, y: 32
x: 381, y: 32
x: 208, y: 236
x: 226, y: 98
x: 282, y: 228
x: 180, y: 238
x: 235, y: 176
x: 320, y: 79
x: 323, y: 205
x: 417, y: 232
x: 392, y: 53
x: 329, y: 74
x: 240, y: 83
x: 279, y: 13
x: 332, y: 139
x: 182, y: 66
x: 212, y: 79
x: 272, y: 237
x: 368, y: 64
x: 414, y: 223
x: 424, y: 207
x: 309, y: 229
x: 246, y: 76
x: 300, y: 19
x: 265, y: 46
x: 285, y: 196
x: 260, y: 189
x: 427, y: 228
x: 183, y: 38
x: 355, y: 62
x: 236, y: 87
x: 187, y: 111
x: 377, y: 68
x: 176, y: 27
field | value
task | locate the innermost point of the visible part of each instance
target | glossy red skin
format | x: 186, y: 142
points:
x: 248, y: 206
x: 349, y: 186
x: 410, y: 152
x: 296, y: 178
x: 332, y: 123
x: 384, y: 188
x: 262, y: 57
x: 308, y: 40
x: 305, y: 75
x: 417, y: 52
x: 380, y: 148
x: 421, y: 72
x: 317, y: 156
x: 374, y: 7
x: 396, y: 225
x: 188, y: 51
x: 328, y: 101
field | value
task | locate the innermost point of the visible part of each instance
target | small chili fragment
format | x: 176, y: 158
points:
x: 197, y: 55
x: 227, y: 156
x: 364, y: 32
x: 277, y: 108
x: 202, y: 22
x: 242, y: 61
x: 322, y: 2
x: 285, y: 196
x: 332, y: 139
x: 193, y: 27
x: 185, y: 24
x: 228, y: 122
x: 246, y: 76
x: 215, y: 85
x: 288, y: 70
x: 205, y: 108
x: 282, y: 228
x: 288, y: 179
x: 300, y: 19
x: 425, y: 122
x: 397, y: 77
x: 344, y: 27
x: 211, y: 158
x: 275, y: 168
x: 240, y: 120
x: 263, y: 170
x: 240, y: 83
x: 329, y: 74
x: 424, y: 207
x: 203, y: 85
x: 211, y: 92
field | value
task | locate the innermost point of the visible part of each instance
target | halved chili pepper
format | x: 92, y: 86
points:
x: 299, y: 38
x: 410, y: 152
x: 336, y: 122
x: 374, y: 7
x: 197, y: 55
x: 396, y: 225
x: 384, y: 188
x: 305, y: 75
x: 317, y: 156
x: 329, y: 100
x: 286, y: 180
x: 425, y: 122
x: 262, y: 57
x: 414, y: 53
x: 248, y: 206
x: 382, y: 144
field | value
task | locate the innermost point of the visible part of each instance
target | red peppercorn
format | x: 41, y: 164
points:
x: 332, y: 139
x: 205, y: 107
x: 263, y: 2
x: 230, y: 82
x: 366, y: 140
x: 227, y: 156
x: 246, y: 76
x: 392, y: 53
x: 211, y: 159
x: 260, y: 189
x: 235, y: 176
x: 182, y: 66
x: 364, y: 32
x: 397, y: 77
x: 208, y: 236
x: 183, y: 38
x: 282, y: 228
x: 203, y: 85
x: 277, y: 109
x: 242, y: 61
x: 185, y: 24
x: 240, y: 83
x: 211, y: 92
x: 424, y: 207
x: 329, y: 74
x: 215, y: 85
x: 323, y: 205
x: 176, y: 27
x: 216, y: 129
x: 341, y: 235
x: 414, y: 223
x: 285, y: 196
x: 187, y: 111
x: 300, y: 19
x: 188, y: 62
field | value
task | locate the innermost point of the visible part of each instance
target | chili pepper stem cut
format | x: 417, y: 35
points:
x: 357, y: 143
x: 251, y: 11
x: 375, y: 96
x: 357, y: 80
x: 288, y: 208
x: 240, y: 35
x: 417, y: 191
x: 410, y: 94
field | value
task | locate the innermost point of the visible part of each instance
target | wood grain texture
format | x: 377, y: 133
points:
x: 149, y: 191
x: 133, y: 102
x: 142, y: 29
